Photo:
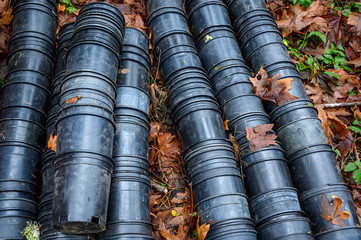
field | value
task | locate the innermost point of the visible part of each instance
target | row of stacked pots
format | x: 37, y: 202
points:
x: 129, y: 200
x: 24, y: 103
x: 209, y: 158
x: 312, y: 162
x: 273, y: 200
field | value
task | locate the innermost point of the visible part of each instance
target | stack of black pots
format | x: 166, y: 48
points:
x: 23, y: 109
x: 129, y: 210
x: 312, y: 162
x: 85, y: 123
x: 208, y: 156
x: 273, y: 200
x: 47, y: 168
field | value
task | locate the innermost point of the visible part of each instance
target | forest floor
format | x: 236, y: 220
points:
x: 324, y: 41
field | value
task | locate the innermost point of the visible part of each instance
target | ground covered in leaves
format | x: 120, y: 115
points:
x: 324, y: 40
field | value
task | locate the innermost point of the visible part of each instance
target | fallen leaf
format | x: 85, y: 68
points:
x: 354, y: 20
x: 203, y: 230
x: 345, y: 146
x: 168, y: 145
x: 124, y: 71
x: 73, y: 99
x: 260, y: 137
x: 272, y: 89
x: 225, y: 125
x: 52, y: 142
x: 332, y: 211
x: 6, y: 17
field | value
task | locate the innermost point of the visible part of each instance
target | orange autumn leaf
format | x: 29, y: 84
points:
x: 259, y: 137
x: 332, y: 211
x: 272, y: 89
x: 52, y: 142
x: 225, y: 125
x: 73, y: 99
x: 203, y: 230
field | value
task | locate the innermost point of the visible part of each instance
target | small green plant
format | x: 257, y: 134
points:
x: 305, y: 3
x: 346, y: 8
x: 32, y: 231
x: 69, y: 6
x: 355, y: 166
x: 334, y: 57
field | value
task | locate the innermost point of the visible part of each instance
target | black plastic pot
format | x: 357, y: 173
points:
x: 232, y: 229
x: 133, y: 98
x: 35, y: 16
x: 271, y: 165
x: 305, y: 162
x: 286, y: 226
x: 65, y: 34
x: 295, y: 135
x: 311, y: 203
x: 80, y: 205
x: 172, y: 40
x: 92, y: 57
x: 203, y: 14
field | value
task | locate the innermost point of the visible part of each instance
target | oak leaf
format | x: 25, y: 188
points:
x: 259, y: 137
x: 332, y: 212
x: 52, y: 142
x: 272, y: 89
x: 203, y: 230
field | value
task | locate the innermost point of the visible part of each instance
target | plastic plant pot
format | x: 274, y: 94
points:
x: 269, y: 204
x: 295, y: 134
x: 306, y: 162
x: 105, y: 8
x: 212, y: 49
x: 175, y: 39
x: 34, y: 17
x: 130, y: 140
x: 211, y: 34
x: 32, y: 43
x: 202, y: 14
x: 294, y: 227
x: 11, y: 226
x: 154, y: 5
x: 80, y: 205
x: 352, y: 233
x: 31, y: 60
x: 279, y: 179
x: 311, y: 204
x: 93, y: 57
x: 85, y: 129
x: 218, y: 207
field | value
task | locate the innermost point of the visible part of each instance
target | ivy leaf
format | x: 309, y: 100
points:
x: 332, y: 211
x: 358, y: 164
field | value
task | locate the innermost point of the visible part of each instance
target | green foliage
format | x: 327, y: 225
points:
x: 338, y: 154
x: 305, y: 3
x: 334, y: 57
x: 32, y: 231
x: 355, y: 166
x: 69, y: 6
x: 346, y: 8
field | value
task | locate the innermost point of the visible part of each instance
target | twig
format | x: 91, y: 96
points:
x: 340, y: 105
x: 158, y: 187
x: 356, y: 152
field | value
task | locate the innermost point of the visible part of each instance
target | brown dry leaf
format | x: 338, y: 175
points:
x: 52, y: 142
x: 225, y: 125
x: 332, y: 125
x: 356, y: 62
x: 154, y: 129
x: 6, y: 17
x: 4, y: 5
x: 272, y: 89
x: 73, y: 99
x: 203, y: 230
x: 4, y: 41
x: 259, y: 137
x: 297, y: 18
x: 332, y: 212
x: 168, y: 145
x: 354, y: 20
